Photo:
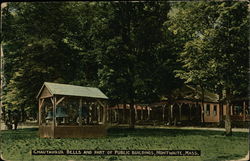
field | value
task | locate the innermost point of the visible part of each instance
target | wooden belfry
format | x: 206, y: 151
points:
x: 69, y: 111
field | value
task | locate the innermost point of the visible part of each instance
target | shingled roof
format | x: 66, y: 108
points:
x: 72, y: 90
x: 190, y: 92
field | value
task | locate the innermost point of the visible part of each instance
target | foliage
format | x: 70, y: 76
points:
x: 136, y: 52
x: 204, y: 61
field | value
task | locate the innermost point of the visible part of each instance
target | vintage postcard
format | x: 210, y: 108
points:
x: 125, y: 80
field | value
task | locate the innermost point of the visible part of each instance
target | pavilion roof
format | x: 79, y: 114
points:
x: 72, y: 90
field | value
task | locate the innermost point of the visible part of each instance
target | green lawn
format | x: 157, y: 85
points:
x: 214, y: 146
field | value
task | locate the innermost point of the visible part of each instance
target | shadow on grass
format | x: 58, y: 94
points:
x: 227, y: 157
x: 29, y: 133
x: 113, y: 132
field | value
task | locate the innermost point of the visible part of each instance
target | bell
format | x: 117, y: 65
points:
x: 49, y: 116
x: 83, y: 112
x: 60, y: 112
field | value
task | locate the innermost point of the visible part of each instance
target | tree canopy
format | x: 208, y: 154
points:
x: 136, y: 52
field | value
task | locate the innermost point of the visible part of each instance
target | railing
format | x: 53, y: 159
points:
x: 240, y: 118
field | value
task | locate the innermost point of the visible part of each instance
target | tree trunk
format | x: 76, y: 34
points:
x: 202, y: 105
x: 171, y: 114
x: 148, y: 108
x: 163, y: 113
x: 132, y: 116
x: 228, y: 125
x: 124, y: 113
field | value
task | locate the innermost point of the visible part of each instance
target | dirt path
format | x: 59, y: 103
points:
x: 23, y: 126
x: 243, y: 159
x: 196, y: 128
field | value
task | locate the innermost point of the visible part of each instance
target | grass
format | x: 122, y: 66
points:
x: 214, y: 146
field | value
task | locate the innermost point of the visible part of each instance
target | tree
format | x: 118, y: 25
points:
x: 35, y: 51
x: 111, y: 45
x: 231, y: 56
x: 129, y: 56
x: 205, y: 63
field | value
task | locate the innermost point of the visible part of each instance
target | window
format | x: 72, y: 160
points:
x: 208, y: 109
x: 215, y: 110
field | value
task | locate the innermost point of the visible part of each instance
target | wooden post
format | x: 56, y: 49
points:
x: 141, y: 112
x: 39, y: 112
x: 80, y: 112
x: 104, y: 114
x: 105, y: 111
x: 40, y: 104
x: 118, y: 114
x: 163, y: 113
x: 110, y: 115
x: 54, y: 112
x: 190, y: 107
x: 115, y: 113
x: 179, y: 105
x: 98, y: 114
x: 107, y: 114
x: 148, y: 113
x: 136, y: 116
x: 244, y: 111
x: 124, y: 113
x: 89, y: 118
x: 171, y: 113
x: 220, y: 111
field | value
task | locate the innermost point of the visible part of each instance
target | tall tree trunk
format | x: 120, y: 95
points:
x: 132, y: 116
x: 171, y: 114
x: 124, y: 113
x: 163, y: 113
x: 202, y: 105
x: 228, y: 125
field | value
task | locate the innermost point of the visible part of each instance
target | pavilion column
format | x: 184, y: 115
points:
x: 115, y: 113
x: 244, y: 111
x: 179, y: 105
x: 89, y: 117
x: 163, y: 113
x: 124, y: 113
x: 110, y: 115
x: 104, y: 113
x: 107, y: 114
x: 231, y: 109
x: 98, y: 114
x: 148, y: 108
x: 190, y: 107
x: 221, y: 111
x: 54, y: 112
x: 39, y: 112
x: 141, y: 112
x: 80, y: 112
x: 40, y: 105
x: 136, y: 116
x: 171, y: 113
